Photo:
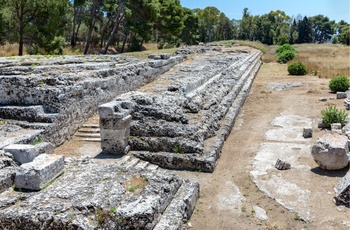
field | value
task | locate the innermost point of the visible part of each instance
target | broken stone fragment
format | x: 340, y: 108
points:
x: 36, y: 174
x: 260, y: 213
x: 341, y: 95
x: 281, y: 165
x: 23, y: 153
x: 342, y: 189
x: 331, y: 151
x: 320, y: 124
x: 307, y: 132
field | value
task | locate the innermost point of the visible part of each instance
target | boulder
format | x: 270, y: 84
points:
x: 342, y: 189
x: 331, y: 151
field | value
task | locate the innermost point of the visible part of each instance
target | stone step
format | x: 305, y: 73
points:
x: 180, y: 208
x: 87, y: 139
x: 90, y: 126
x: 33, y: 113
x: 141, y: 165
x: 89, y: 130
x: 132, y: 162
x: 87, y: 135
x: 36, y: 174
x: 123, y: 160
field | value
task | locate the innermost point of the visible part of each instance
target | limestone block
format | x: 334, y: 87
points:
x: 307, y: 132
x: 331, y: 151
x: 36, y: 174
x: 23, y: 153
x: 341, y: 95
x: 342, y: 189
x: 7, y: 176
x: 115, y: 126
x: 335, y: 126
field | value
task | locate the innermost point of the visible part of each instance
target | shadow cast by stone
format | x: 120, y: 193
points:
x: 333, y: 173
x: 102, y: 155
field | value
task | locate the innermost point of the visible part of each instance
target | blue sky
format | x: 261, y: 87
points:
x: 334, y: 9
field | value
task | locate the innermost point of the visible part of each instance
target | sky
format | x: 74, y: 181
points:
x: 334, y: 9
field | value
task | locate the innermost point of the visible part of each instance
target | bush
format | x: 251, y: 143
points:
x: 286, y: 56
x: 339, y: 84
x: 285, y: 47
x: 332, y: 115
x: 297, y: 68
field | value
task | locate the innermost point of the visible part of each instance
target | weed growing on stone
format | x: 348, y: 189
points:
x: 101, y: 217
x: 178, y: 149
x: 113, y: 210
x: 297, y: 217
x: 132, y: 189
x: 38, y: 141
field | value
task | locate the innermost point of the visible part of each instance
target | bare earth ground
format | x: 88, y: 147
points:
x: 228, y: 195
x: 217, y: 207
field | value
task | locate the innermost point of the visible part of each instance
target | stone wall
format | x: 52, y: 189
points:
x: 57, y: 94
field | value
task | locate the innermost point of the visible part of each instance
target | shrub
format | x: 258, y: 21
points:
x: 297, y: 68
x: 339, y: 84
x: 286, y: 56
x: 332, y: 115
x: 285, y: 47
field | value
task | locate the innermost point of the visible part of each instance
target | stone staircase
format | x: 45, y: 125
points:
x: 88, y: 132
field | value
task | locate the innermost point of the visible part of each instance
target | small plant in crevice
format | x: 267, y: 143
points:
x: 178, y: 149
x: 332, y: 115
x: 38, y: 141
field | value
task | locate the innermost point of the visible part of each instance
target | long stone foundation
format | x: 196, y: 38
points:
x: 183, y: 119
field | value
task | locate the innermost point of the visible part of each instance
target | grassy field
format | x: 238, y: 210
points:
x: 323, y: 60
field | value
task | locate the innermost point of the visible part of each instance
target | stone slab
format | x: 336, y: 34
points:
x: 36, y: 174
x: 23, y: 153
x: 342, y: 189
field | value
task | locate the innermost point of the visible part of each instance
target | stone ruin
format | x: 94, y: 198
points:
x: 183, y: 120
x: 179, y: 121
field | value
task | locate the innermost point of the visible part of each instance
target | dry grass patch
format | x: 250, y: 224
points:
x: 325, y: 60
x: 9, y: 50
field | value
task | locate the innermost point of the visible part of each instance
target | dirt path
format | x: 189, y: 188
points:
x: 228, y: 195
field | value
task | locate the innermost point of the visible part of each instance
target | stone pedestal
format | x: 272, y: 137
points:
x: 115, y: 121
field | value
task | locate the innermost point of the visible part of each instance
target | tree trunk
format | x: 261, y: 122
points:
x: 21, y: 41
x: 73, y: 41
x: 116, y: 25
x: 91, y: 27
x: 124, y: 42
x: 104, y: 32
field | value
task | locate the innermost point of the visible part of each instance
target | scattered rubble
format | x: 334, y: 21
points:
x: 260, y: 213
x: 342, y: 189
x: 307, y: 132
x: 281, y: 165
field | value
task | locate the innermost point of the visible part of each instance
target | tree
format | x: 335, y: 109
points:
x: 118, y: 15
x: 190, y: 34
x: 208, y: 19
x: 26, y: 16
x: 79, y: 8
x: 323, y: 28
x: 170, y: 22
x: 304, y: 31
x: 95, y: 10
x: 344, y: 37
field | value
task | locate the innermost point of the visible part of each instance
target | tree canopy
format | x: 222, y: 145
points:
x: 45, y: 26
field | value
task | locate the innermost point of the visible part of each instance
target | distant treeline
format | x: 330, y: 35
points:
x: 46, y: 26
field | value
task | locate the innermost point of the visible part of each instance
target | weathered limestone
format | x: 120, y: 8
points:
x: 331, y: 151
x: 341, y: 95
x: 7, y: 170
x: 307, y: 132
x: 282, y: 165
x: 23, y: 153
x: 342, y: 189
x: 36, y: 174
x: 115, y: 126
x: 90, y: 196
x: 260, y: 213
x: 182, y: 120
x: 57, y: 94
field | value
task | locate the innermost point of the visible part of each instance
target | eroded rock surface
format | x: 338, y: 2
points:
x: 182, y: 120
x: 8, y: 168
x: 89, y: 196
x: 342, y: 189
x: 331, y: 151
